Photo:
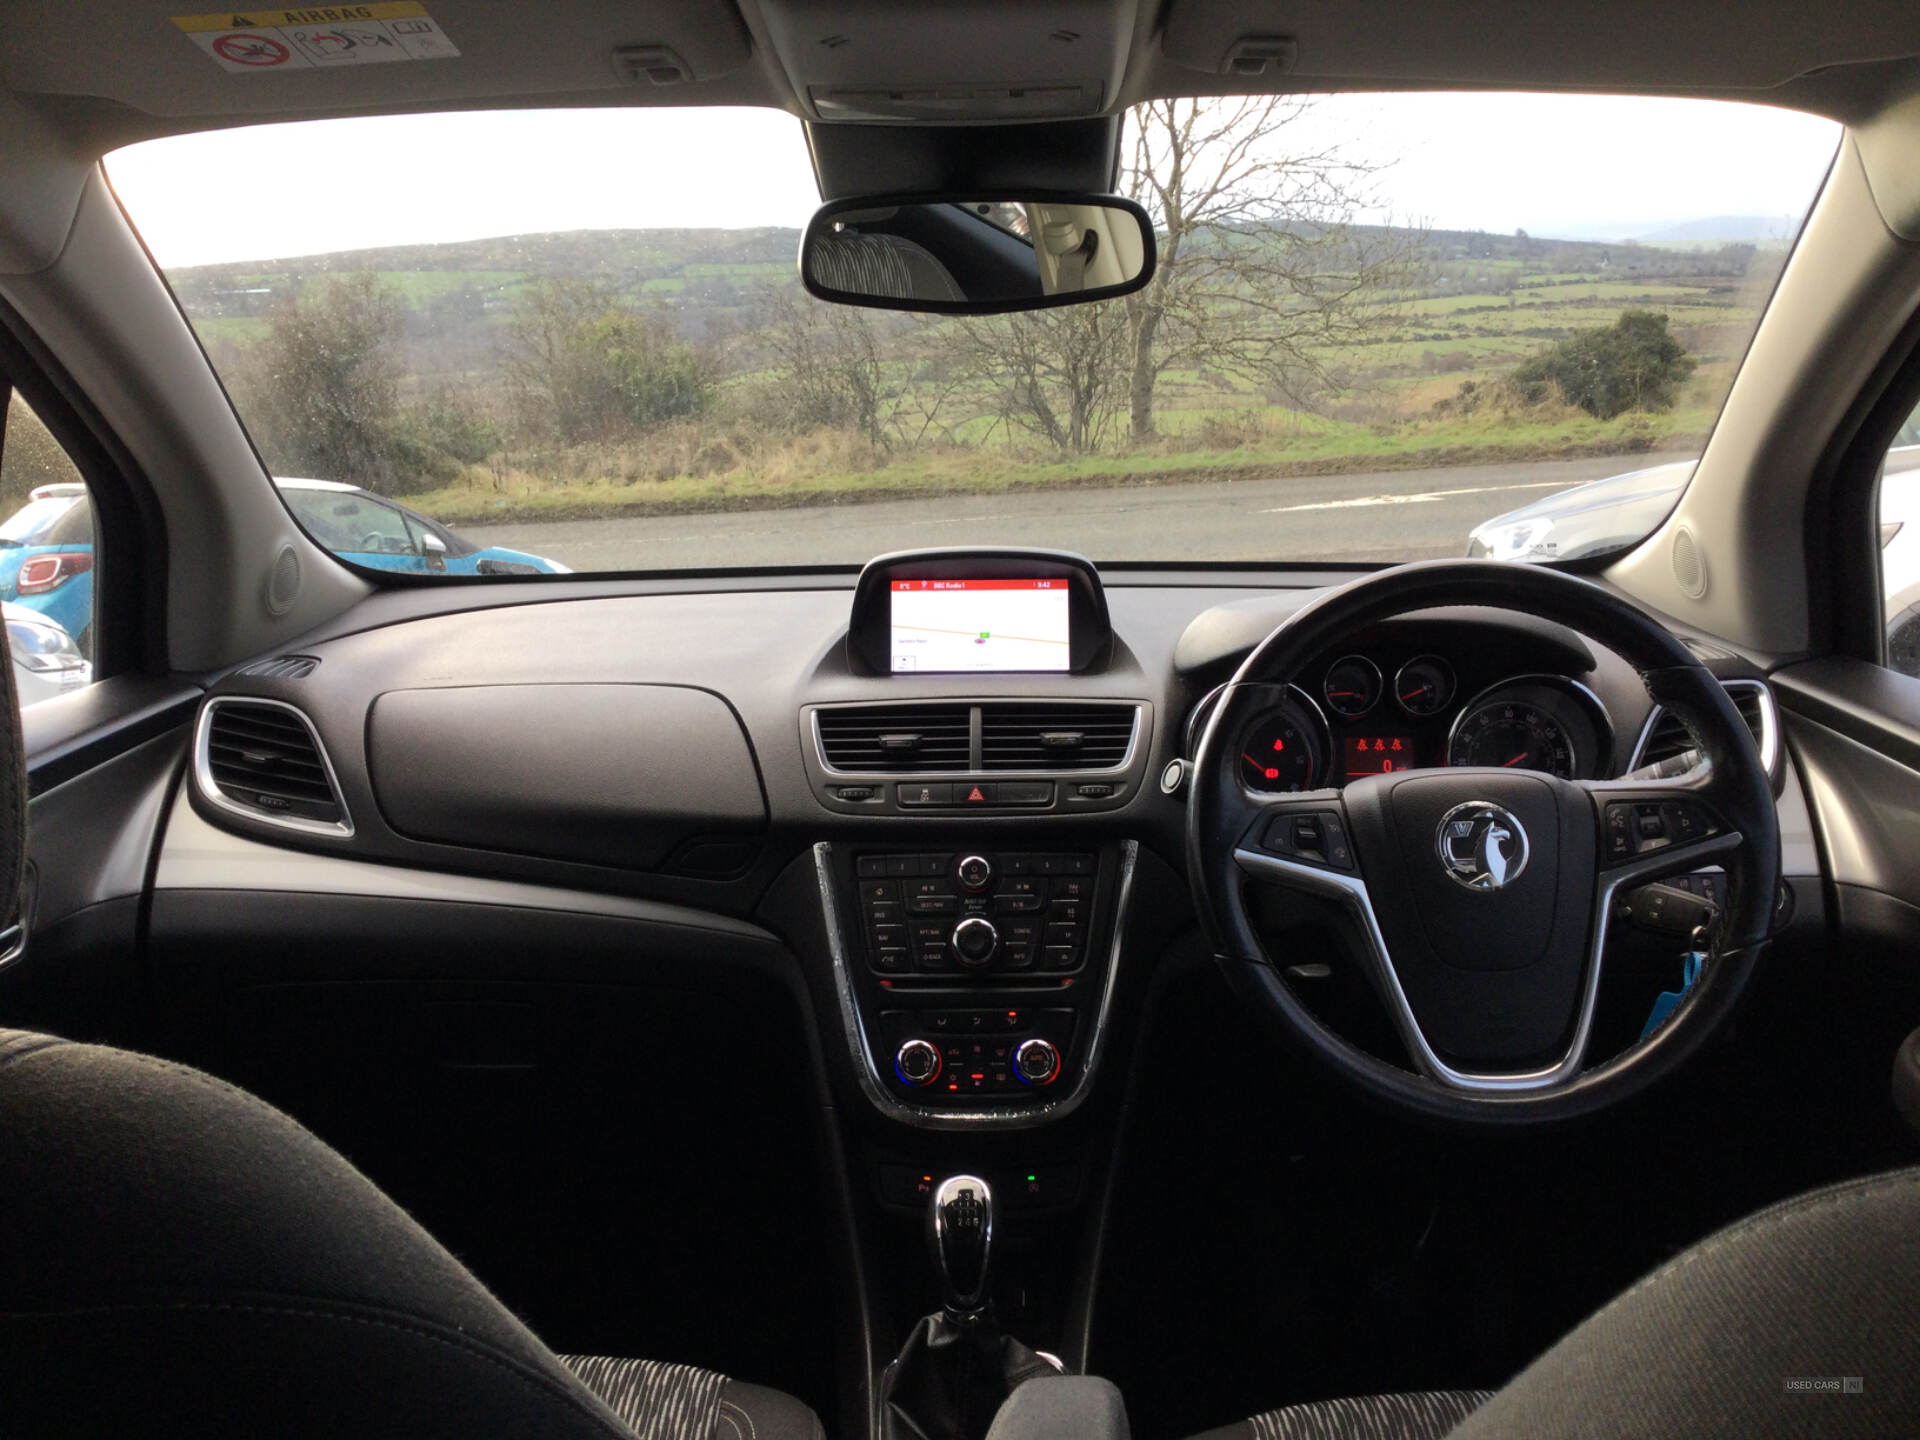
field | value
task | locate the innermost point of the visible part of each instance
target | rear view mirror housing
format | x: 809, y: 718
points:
x: 977, y: 253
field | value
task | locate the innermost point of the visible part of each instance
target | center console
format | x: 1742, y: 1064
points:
x: 974, y: 979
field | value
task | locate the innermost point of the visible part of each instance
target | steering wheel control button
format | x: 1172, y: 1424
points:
x: 975, y: 872
x: 1482, y: 846
x: 1319, y: 837
x: 1634, y: 828
x: 1036, y: 1062
x: 974, y: 941
x: 917, y: 1063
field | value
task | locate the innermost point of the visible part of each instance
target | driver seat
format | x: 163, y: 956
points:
x: 1795, y: 1321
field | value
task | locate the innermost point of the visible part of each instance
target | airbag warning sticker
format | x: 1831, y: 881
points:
x: 319, y: 36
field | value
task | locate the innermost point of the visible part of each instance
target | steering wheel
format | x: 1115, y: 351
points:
x: 1482, y: 896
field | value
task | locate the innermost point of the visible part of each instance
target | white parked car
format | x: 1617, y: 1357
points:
x: 1607, y: 515
x: 46, y: 662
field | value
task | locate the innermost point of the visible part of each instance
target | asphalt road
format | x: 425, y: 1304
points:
x: 1395, y: 515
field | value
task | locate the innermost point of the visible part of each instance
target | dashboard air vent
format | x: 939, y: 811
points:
x: 1055, y: 736
x: 1667, y: 737
x: 905, y: 738
x: 263, y: 759
x: 284, y: 667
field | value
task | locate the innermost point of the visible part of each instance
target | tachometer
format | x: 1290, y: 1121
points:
x: 1544, y: 723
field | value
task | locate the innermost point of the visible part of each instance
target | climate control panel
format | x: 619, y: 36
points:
x: 973, y: 912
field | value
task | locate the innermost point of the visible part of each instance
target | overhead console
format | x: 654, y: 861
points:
x: 933, y: 625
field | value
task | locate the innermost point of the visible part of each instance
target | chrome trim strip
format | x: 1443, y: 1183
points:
x: 1037, y: 772
x: 210, y: 790
x: 1352, y: 891
x: 13, y: 943
x: 923, y: 1117
x: 1768, y: 740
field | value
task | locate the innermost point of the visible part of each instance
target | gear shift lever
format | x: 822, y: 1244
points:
x: 960, y: 1232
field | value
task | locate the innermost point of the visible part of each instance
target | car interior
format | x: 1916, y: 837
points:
x: 983, y: 990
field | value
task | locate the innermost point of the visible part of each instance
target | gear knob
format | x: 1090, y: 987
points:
x: 960, y: 1231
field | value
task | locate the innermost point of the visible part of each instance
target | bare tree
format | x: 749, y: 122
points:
x: 1059, y: 374
x: 889, y: 377
x: 1262, y: 266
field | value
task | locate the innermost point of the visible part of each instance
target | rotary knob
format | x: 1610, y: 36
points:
x: 917, y: 1063
x: 1036, y: 1062
x: 974, y: 941
x: 974, y: 872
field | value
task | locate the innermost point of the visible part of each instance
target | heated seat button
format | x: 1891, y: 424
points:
x: 1026, y: 792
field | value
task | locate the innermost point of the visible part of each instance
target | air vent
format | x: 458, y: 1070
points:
x: 1666, y: 736
x: 262, y: 759
x: 906, y: 738
x: 1055, y: 737
x: 284, y: 667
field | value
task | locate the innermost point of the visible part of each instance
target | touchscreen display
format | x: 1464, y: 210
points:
x: 948, y: 625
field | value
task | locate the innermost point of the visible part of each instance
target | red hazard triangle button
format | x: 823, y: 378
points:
x: 978, y: 795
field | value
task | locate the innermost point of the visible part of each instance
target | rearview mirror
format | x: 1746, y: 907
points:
x: 977, y: 254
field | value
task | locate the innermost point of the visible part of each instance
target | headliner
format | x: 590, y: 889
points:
x: 109, y: 72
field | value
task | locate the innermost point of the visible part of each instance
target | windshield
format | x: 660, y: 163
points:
x: 1383, y: 328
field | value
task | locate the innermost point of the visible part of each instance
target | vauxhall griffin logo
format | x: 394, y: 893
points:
x: 1481, y: 845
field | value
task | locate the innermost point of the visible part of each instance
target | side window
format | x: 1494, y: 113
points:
x: 351, y: 522
x: 1900, y: 547
x: 46, y: 560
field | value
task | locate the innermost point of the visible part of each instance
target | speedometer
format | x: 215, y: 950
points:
x: 1544, y: 723
x: 1515, y: 736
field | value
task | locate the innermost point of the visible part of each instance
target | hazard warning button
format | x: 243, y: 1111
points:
x: 976, y: 794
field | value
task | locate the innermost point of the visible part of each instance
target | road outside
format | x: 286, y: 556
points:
x: 1393, y: 515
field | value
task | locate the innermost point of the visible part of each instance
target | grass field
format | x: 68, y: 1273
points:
x: 1484, y: 307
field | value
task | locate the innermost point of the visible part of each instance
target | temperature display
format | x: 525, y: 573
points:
x: 1378, y: 754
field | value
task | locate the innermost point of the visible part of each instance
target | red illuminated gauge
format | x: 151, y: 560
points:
x: 1352, y: 686
x: 1279, y: 754
x: 1424, y: 685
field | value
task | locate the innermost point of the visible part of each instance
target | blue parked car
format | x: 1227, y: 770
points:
x: 46, y: 559
x: 382, y: 535
x: 46, y: 546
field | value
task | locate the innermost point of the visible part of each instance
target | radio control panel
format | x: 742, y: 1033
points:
x: 973, y: 912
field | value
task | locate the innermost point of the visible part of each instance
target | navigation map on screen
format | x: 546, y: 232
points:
x: 949, y: 625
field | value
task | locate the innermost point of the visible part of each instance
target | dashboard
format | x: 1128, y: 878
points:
x: 962, y: 757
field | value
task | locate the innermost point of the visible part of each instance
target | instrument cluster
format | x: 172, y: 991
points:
x: 1373, y: 713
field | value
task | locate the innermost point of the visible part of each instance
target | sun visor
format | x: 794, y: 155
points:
x: 181, y: 58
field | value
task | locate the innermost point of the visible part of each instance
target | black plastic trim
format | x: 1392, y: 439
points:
x: 130, y: 532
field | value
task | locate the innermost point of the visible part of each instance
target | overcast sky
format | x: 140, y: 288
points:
x: 1555, y: 165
